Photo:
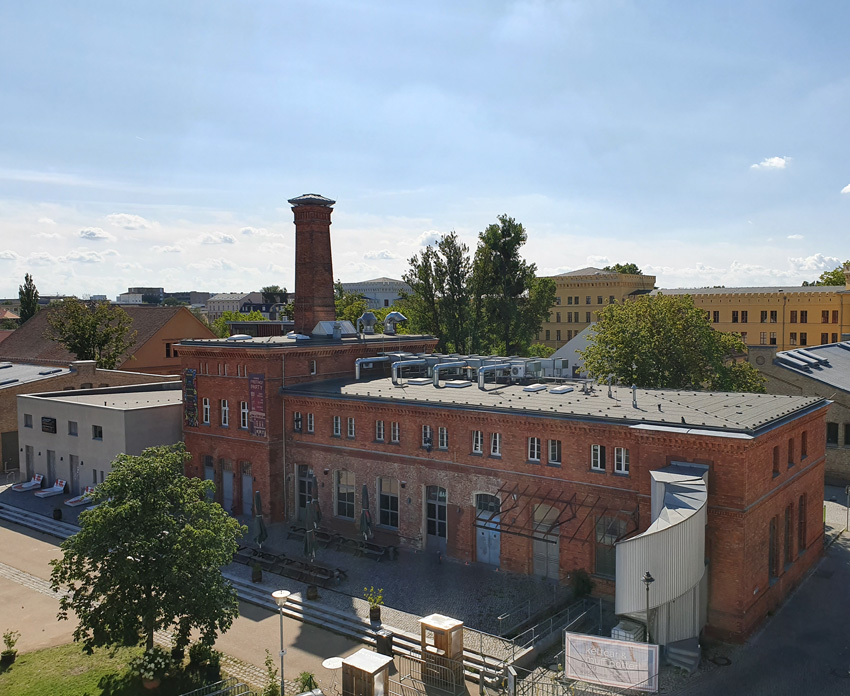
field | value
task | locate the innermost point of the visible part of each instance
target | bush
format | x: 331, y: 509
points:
x: 152, y: 664
x: 272, y: 687
x: 306, y: 681
x: 581, y: 583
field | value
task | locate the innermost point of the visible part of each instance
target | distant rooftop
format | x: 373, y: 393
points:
x: 382, y: 341
x: 751, y: 290
x: 590, y: 270
x: 375, y: 280
x: 718, y: 413
x: 136, y: 396
x: 832, y: 368
x: 311, y: 199
x: 13, y: 374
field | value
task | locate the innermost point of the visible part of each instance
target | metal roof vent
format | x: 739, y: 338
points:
x: 561, y: 389
x: 534, y: 388
x: 457, y: 383
x: 5, y: 365
x: 391, y: 320
x: 367, y: 321
x: 239, y: 337
x: 419, y: 381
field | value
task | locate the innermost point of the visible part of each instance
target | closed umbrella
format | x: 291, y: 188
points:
x: 365, y: 515
x: 260, y: 531
x: 313, y: 516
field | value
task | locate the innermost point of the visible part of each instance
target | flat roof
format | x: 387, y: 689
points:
x: 833, y: 369
x: 123, y: 398
x: 679, y: 410
x: 387, y: 340
x: 751, y: 290
x: 13, y: 374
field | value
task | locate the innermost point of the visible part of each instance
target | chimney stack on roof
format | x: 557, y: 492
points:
x: 314, y: 284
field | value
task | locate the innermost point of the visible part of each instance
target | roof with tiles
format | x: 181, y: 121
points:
x: 680, y: 410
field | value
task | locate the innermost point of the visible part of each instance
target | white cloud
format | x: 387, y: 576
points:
x: 598, y: 261
x: 772, y: 163
x: 47, y: 221
x: 427, y: 238
x: 166, y: 249
x: 49, y: 235
x: 128, y: 221
x: 795, y: 236
x: 8, y: 255
x: 257, y: 232
x: 846, y: 189
x: 217, y: 238
x: 815, y: 262
x: 382, y: 255
x: 94, y: 234
x: 41, y: 258
x: 85, y: 256
x: 213, y: 265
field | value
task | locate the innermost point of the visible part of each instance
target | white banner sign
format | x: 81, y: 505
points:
x: 611, y: 662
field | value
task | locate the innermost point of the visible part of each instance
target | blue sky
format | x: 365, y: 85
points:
x: 156, y: 143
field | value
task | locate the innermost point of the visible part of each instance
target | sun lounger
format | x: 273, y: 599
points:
x: 81, y: 499
x: 35, y: 482
x: 57, y: 489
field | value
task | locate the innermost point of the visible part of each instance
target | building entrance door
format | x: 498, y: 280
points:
x: 488, y: 539
x: 435, y: 518
x: 546, y: 548
x: 247, y: 494
x: 74, y: 478
x: 51, y: 467
x: 227, y: 491
x: 305, y: 474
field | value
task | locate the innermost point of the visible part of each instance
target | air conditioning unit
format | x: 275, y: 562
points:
x: 518, y: 371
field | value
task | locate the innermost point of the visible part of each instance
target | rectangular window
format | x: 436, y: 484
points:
x: 547, y: 335
x: 534, y: 449
x: 427, y: 436
x: 834, y: 338
x: 243, y: 414
x: 477, y: 442
x: 587, y: 299
x: 394, y: 433
x: 225, y: 412
x: 621, y: 460
x: 167, y: 350
x: 557, y: 317
x: 557, y: 300
x: 804, y: 316
x: 763, y: 338
x: 824, y: 316
x: 576, y: 300
x: 345, y: 494
x: 744, y: 336
x: 763, y: 316
x: 734, y: 316
x: 557, y: 334
x: 776, y: 461
x: 792, y: 337
x: 311, y: 423
x: 337, y: 426
x: 834, y: 316
x: 569, y: 300
x: 773, y: 338
x: 388, y: 502
x: 350, y: 430
x: 297, y: 421
x: 847, y: 434
x: 569, y: 317
x: 832, y: 434
x: 804, y: 339
x: 312, y: 367
x: 772, y: 550
x: 801, y: 524
x: 599, y: 299
x: 97, y: 432
x: 824, y: 338
x: 608, y: 531
x: 790, y: 451
x: 597, y: 457
x: 772, y: 316
x: 743, y: 316
x: 587, y: 317
x: 72, y: 428
x: 715, y: 317
x: 205, y: 411
x: 27, y: 420
x: 379, y: 430
x: 610, y: 299
x: 496, y: 444
x: 554, y: 451
x: 792, y: 318
x: 443, y: 438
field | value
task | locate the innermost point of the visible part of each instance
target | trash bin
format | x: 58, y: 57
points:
x: 384, y: 642
x: 57, y: 513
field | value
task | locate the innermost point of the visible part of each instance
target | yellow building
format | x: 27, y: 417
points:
x: 580, y: 294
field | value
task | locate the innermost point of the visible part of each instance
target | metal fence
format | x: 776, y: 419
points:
x: 436, y: 675
x: 585, y: 609
x: 514, y: 618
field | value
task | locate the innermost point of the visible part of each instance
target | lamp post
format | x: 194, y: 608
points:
x: 647, y: 580
x: 280, y: 596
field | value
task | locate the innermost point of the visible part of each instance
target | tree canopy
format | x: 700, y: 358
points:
x: 93, y: 330
x: 665, y: 342
x: 28, y: 296
x: 630, y: 268
x: 220, y: 327
x: 149, y: 556
x: 349, y: 305
x: 833, y: 277
x: 274, y: 294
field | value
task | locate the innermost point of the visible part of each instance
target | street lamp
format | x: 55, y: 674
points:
x: 647, y: 580
x: 280, y: 596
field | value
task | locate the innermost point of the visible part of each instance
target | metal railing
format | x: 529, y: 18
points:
x: 435, y: 673
x: 11, y: 476
x: 210, y: 689
x: 563, y: 619
x: 514, y: 617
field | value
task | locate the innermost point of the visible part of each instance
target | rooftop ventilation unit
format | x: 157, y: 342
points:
x: 457, y: 383
x: 419, y: 381
x: 239, y: 337
x: 8, y: 381
x: 812, y: 356
x: 5, y: 365
x: 534, y: 388
x: 561, y: 389
x: 803, y: 357
x: 793, y: 362
x: 50, y: 371
x: 366, y: 323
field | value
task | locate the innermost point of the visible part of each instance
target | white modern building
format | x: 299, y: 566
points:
x: 570, y: 352
x: 379, y: 292
x: 76, y: 435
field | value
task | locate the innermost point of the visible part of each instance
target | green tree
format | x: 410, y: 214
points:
x: 274, y: 294
x: 539, y: 350
x: 28, y: 295
x: 92, y: 330
x: 630, y: 268
x: 833, y: 277
x: 222, y: 330
x: 149, y: 556
x: 513, y: 301
x: 665, y: 342
x: 349, y: 305
x: 422, y: 305
x: 150, y: 298
x: 172, y: 302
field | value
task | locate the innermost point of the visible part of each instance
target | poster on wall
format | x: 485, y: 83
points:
x: 257, y: 404
x: 611, y: 662
x: 190, y: 398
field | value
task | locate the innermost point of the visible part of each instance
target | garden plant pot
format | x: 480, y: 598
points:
x: 150, y: 684
x: 312, y: 592
x: 7, y: 657
x: 375, y: 614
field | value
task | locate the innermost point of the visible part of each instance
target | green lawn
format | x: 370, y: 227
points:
x: 68, y: 671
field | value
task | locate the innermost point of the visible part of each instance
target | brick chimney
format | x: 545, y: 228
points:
x: 314, y: 283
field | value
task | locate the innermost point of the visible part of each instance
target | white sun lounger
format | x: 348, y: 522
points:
x: 35, y: 482
x: 81, y: 499
x: 57, y: 489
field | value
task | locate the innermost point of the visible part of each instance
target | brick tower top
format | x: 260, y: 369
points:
x: 314, y: 285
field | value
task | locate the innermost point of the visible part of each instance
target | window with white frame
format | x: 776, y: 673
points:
x: 312, y: 367
x: 206, y: 411
x: 534, y: 449
x: 554, y: 451
x: 621, y: 460
x: 388, y: 502
x: 243, y: 414
x: 297, y: 421
x: 394, y: 432
x: 477, y: 442
x: 337, y: 431
x: 427, y: 436
x: 311, y: 423
x: 345, y: 494
x: 443, y: 438
x: 350, y: 427
x: 597, y: 457
x: 496, y: 444
x: 379, y: 430
x: 225, y: 413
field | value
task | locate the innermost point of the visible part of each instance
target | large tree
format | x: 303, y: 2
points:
x: 149, y: 556
x: 513, y: 301
x: 93, y: 330
x: 630, y: 268
x: 28, y: 295
x: 665, y: 342
x: 833, y: 277
x: 349, y: 306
